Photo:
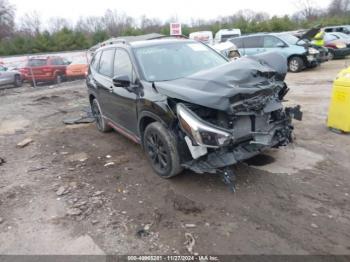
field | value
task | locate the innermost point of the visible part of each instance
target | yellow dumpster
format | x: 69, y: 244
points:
x: 339, y: 109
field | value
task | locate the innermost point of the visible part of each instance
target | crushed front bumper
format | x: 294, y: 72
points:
x: 279, y: 134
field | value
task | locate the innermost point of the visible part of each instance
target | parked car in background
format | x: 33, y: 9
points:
x: 299, y: 55
x: 224, y: 34
x: 10, y: 77
x: 74, y: 71
x: 188, y: 106
x: 308, y: 36
x: 341, y: 36
x: 341, y: 28
x: 202, y: 36
x: 45, y: 69
x: 77, y: 69
x: 338, y: 48
x: 227, y: 49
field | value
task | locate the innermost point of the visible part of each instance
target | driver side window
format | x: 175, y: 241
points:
x: 123, y: 65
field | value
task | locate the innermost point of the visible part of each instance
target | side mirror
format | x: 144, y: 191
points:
x: 122, y: 81
x: 281, y: 45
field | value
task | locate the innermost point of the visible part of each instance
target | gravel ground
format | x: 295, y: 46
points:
x: 58, y: 196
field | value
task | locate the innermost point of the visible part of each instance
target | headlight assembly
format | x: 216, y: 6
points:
x: 201, y: 132
x: 340, y: 45
x: 313, y: 51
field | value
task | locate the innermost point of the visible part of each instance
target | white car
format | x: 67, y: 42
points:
x: 10, y: 77
x: 227, y: 49
x: 224, y: 34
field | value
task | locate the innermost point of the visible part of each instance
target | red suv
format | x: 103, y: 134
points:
x: 45, y: 69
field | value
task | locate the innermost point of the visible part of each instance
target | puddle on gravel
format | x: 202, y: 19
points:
x: 287, y: 160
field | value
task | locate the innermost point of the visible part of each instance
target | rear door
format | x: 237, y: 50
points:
x: 3, y: 76
x: 103, y: 82
x: 253, y: 45
x: 6, y: 77
x: 58, y: 66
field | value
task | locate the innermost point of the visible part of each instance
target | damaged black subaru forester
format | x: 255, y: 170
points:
x: 188, y: 106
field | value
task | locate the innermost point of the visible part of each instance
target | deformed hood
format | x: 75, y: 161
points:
x: 215, y: 87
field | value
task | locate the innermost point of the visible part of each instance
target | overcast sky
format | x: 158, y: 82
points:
x: 162, y: 9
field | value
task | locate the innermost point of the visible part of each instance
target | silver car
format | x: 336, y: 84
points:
x: 10, y: 77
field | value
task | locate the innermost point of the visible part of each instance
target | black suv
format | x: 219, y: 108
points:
x: 188, y: 106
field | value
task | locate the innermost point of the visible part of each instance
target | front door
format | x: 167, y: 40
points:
x: 123, y: 102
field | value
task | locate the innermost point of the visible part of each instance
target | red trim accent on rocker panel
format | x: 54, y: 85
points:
x: 122, y: 130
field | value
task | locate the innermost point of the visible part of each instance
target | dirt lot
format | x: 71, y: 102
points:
x: 58, y: 197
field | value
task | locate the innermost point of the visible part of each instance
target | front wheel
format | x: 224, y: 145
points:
x: 160, y: 147
x: 295, y: 64
x: 330, y: 54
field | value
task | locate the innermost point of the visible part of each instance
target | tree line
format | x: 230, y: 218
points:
x: 29, y: 37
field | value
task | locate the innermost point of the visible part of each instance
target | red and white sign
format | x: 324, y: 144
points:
x: 175, y: 29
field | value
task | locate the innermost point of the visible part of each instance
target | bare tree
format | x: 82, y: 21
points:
x: 308, y: 9
x: 338, y: 7
x: 90, y: 24
x: 7, y: 14
x: 58, y: 23
x: 148, y: 25
x: 117, y: 23
x: 30, y: 23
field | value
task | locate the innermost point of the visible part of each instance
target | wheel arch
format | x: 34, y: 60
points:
x: 145, y: 119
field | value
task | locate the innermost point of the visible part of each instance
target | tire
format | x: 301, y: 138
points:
x: 161, y: 150
x: 330, y: 54
x: 58, y: 79
x: 100, y: 122
x: 18, y: 81
x: 295, y: 64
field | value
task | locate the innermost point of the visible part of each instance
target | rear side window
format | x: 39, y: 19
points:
x: 238, y: 42
x: 122, y: 64
x: 96, y: 60
x: 37, y: 62
x: 339, y: 29
x: 106, y: 62
x: 253, y: 42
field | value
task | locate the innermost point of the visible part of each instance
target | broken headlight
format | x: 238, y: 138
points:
x: 201, y: 132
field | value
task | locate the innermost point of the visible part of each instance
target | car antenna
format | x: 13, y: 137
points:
x: 154, y: 86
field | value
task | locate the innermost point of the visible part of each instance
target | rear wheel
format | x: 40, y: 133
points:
x: 99, y: 120
x: 58, y: 79
x: 295, y: 64
x: 161, y: 150
x: 18, y: 81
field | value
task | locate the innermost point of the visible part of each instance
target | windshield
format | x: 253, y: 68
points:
x: 291, y: 39
x: 37, y: 62
x: 176, y: 60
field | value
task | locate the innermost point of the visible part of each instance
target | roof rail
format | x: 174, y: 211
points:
x: 170, y: 36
